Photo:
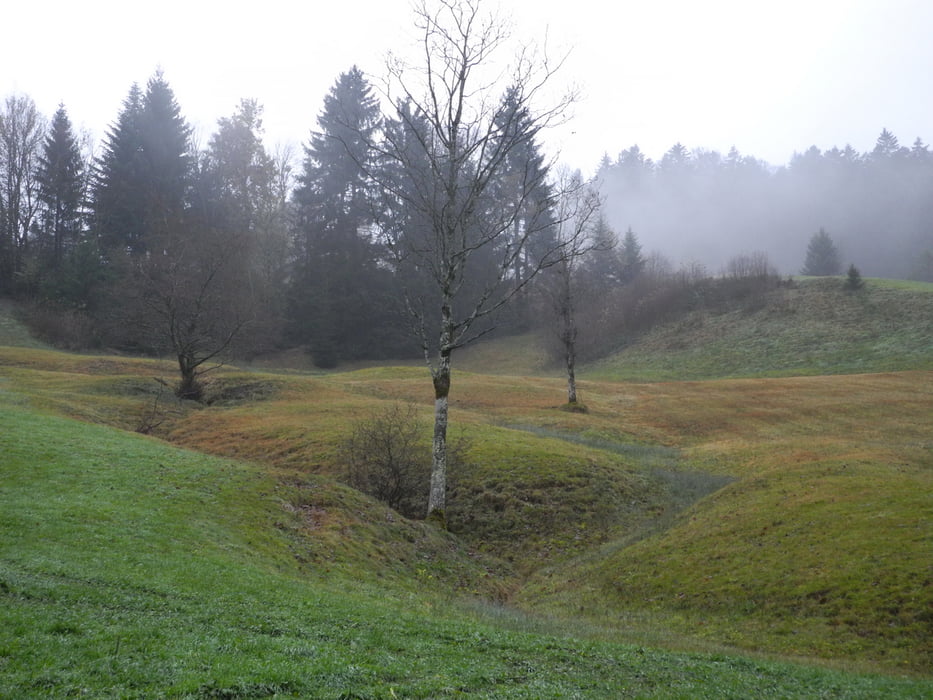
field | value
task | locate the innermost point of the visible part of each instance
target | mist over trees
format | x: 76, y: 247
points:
x: 149, y: 242
x: 702, y: 207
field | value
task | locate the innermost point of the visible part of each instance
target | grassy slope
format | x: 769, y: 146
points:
x: 829, y: 504
x: 821, y: 547
x: 132, y: 569
x: 812, y: 329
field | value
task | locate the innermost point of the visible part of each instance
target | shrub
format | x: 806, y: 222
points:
x: 853, y: 279
x: 68, y: 329
x: 387, y: 457
x: 750, y: 266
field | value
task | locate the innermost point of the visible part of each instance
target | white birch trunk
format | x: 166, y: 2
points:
x: 437, y: 497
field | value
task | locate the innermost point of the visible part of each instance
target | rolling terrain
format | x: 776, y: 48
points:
x: 744, y: 510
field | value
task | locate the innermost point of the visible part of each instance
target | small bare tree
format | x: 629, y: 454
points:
x: 188, y: 299
x: 577, y: 212
x: 465, y: 127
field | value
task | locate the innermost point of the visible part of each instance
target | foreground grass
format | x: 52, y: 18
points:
x: 816, y: 547
x: 132, y: 569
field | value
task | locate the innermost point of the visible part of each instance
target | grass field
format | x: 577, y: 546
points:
x: 812, y: 328
x: 754, y: 537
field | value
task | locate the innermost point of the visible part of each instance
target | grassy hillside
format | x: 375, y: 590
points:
x: 812, y: 328
x: 129, y: 568
x: 820, y: 547
x: 785, y: 518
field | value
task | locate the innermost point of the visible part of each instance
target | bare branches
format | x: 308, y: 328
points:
x: 463, y: 151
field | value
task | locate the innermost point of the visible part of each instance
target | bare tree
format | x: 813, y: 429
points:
x: 462, y: 122
x: 577, y: 213
x: 22, y: 130
x: 189, y: 300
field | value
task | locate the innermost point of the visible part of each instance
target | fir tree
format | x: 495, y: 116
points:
x: 334, y: 307
x: 822, y: 256
x: 633, y: 262
x: 237, y: 196
x: 144, y: 173
x: 854, y: 280
x: 117, y: 187
x: 165, y: 138
x: 61, y: 189
x: 887, y: 146
x: 521, y: 183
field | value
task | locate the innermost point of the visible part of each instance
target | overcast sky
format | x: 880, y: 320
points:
x: 769, y: 77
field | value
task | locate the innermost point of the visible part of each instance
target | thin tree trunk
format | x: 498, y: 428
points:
x: 571, y: 376
x: 437, y: 497
x: 569, y: 334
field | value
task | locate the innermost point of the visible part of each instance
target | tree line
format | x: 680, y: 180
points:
x: 433, y: 215
x: 157, y: 245
x: 153, y: 245
x: 700, y: 206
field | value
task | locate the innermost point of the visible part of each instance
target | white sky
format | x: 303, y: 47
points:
x: 769, y: 77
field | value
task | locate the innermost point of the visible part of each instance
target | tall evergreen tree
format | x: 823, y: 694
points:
x: 822, y: 256
x: 61, y: 189
x: 144, y: 173
x: 333, y: 307
x: 167, y: 162
x: 236, y: 181
x: 117, y: 187
x: 602, y: 265
x: 887, y: 146
x: 521, y: 189
x: 630, y: 257
x: 238, y: 197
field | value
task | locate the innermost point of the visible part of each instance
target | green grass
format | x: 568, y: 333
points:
x: 12, y: 331
x: 129, y: 568
x: 815, y: 328
x: 749, y: 537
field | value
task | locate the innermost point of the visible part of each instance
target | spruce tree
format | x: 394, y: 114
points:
x: 854, y: 280
x: 633, y: 262
x: 165, y: 138
x: 144, y: 173
x: 822, y: 256
x: 521, y: 184
x: 117, y: 188
x: 237, y: 196
x: 335, y: 306
x: 602, y: 266
x: 61, y: 189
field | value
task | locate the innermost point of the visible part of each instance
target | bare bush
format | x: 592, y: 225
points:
x: 750, y: 266
x: 386, y: 457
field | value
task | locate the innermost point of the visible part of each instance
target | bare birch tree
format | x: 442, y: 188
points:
x: 461, y: 121
x: 22, y: 130
x: 577, y: 212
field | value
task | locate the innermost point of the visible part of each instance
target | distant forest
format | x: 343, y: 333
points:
x: 150, y: 243
x: 702, y: 207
